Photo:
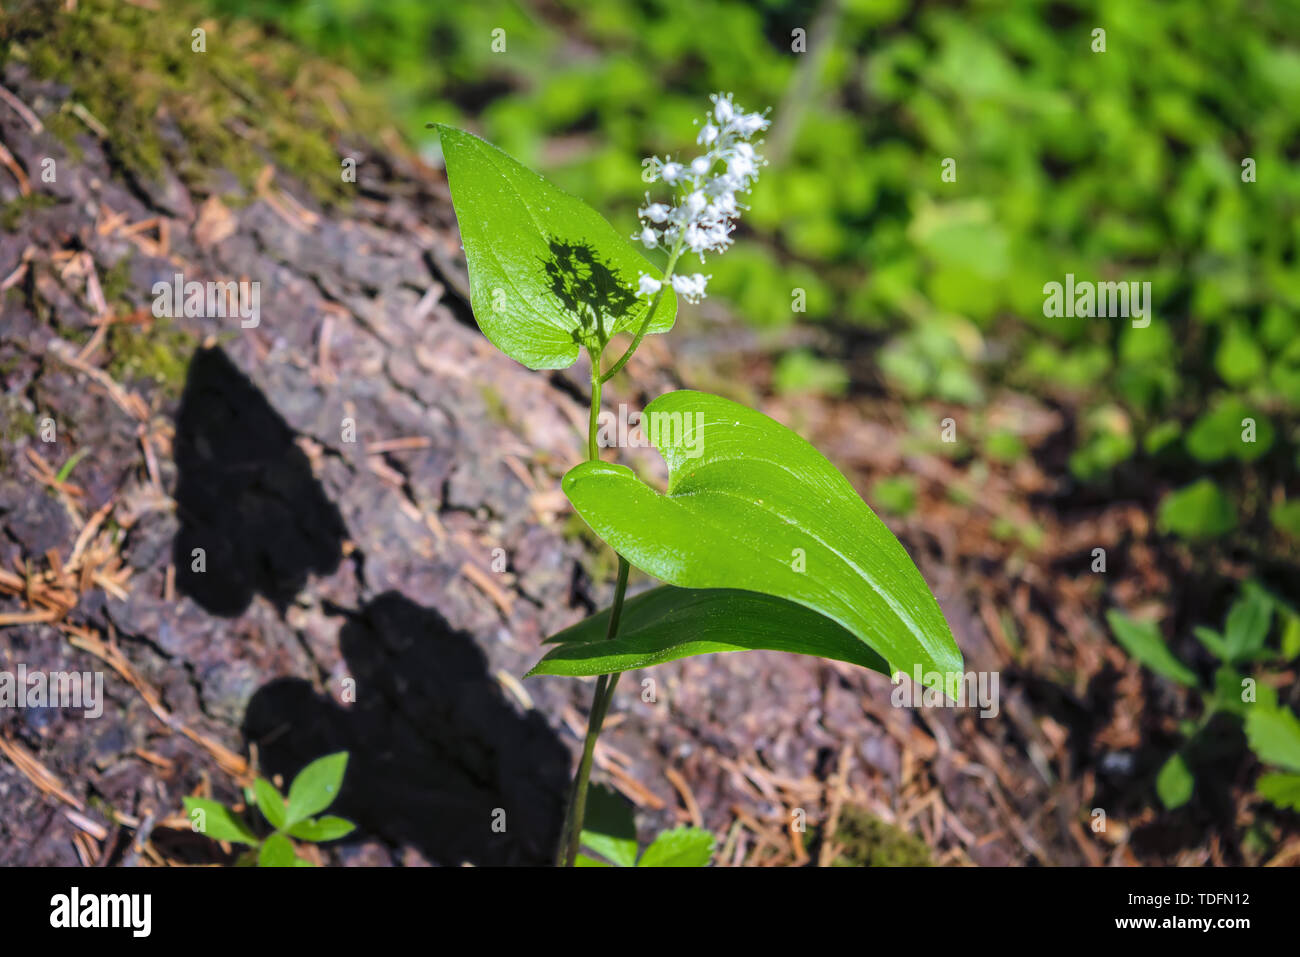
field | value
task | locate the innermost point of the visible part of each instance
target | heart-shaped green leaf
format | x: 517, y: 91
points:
x: 668, y: 623
x: 547, y: 274
x: 751, y: 505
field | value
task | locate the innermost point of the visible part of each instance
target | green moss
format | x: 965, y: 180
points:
x: 867, y: 841
x: 497, y: 409
x: 12, y: 213
x: 115, y: 282
x: 160, y: 355
x: 249, y: 99
x: 15, y: 423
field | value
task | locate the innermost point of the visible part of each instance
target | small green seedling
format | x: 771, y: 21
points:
x: 1271, y: 728
x: 760, y: 542
x: 312, y: 791
x: 610, y: 833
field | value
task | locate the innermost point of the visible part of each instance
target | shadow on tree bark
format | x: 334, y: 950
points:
x: 439, y: 758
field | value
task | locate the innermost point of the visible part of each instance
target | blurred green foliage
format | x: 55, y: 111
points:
x: 1243, y: 690
x: 1123, y: 165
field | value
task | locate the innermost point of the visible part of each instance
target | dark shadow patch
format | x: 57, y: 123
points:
x: 437, y: 752
x: 245, y: 494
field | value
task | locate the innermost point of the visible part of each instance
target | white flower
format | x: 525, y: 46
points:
x: 655, y: 212
x: 740, y: 167
x: 723, y: 108
x: 691, y: 287
x: 705, y: 210
x: 697, y: 240
x: 725, y: 205
x: 648, y: 285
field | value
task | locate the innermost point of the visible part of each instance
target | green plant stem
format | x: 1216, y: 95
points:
x: 577, y: 810
x: 654, y: 307
x: 576, y: 807
x: 593, y: 450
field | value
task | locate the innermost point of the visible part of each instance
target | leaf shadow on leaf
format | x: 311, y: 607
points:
x: 588, y: 288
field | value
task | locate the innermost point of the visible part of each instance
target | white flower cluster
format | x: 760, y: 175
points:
x: 706, y: 188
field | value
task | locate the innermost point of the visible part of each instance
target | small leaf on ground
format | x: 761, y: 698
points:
x: 1174, y: 783
x: 315, y: 787
x: 277, y: 851
x: 217, y: 821
x: 1143, y: 641
x: 682, y: 847
x: 609, y: 829
x: 270, y: 801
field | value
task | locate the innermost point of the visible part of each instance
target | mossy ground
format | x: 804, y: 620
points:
x: 247, y: 100
x: 16, y: 423
x: 159, y: 354
x: 868, y: 841
x: 12, y: 212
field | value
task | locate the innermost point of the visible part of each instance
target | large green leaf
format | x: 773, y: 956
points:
x: 751, y: 505
x: 668, y: 623
x: 547, y: 273
x: 1143, y: 641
